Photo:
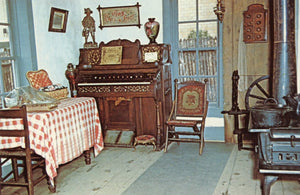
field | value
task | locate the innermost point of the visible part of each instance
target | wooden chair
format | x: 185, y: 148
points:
x: 38, y: 79
x: 29, y: 159
x: 189, y: 110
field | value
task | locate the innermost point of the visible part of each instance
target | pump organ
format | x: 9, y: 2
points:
x: 135, y: 94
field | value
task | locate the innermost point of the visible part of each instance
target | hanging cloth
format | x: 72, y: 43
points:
x: 242, y: 61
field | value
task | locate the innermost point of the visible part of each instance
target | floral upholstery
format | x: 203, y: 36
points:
x: 191, y: 100
x: 38, y: 79
x: 145, y: 139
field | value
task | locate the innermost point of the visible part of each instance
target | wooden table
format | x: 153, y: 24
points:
x: 63, y: 134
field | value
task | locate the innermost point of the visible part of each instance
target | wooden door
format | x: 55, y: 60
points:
x: 119, y: 114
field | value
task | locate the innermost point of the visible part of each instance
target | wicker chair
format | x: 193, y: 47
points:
x: 189, y: 110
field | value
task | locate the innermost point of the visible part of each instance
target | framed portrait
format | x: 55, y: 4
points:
x: 58, y: 20
x: 119, y: 16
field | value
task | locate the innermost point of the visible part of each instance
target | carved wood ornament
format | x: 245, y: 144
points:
x: 255, y: 24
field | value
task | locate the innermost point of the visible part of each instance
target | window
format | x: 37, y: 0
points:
x: 196, y: 44
x: 17, y: 44
x: 6, y: 59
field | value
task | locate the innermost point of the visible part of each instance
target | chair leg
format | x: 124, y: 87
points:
x: 14, y: 162
x: 176, y: 135
x: 29, y: 176
x: 201, y: 141
x: 167, y: 140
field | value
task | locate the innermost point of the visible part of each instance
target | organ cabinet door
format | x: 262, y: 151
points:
x: 119, y: 113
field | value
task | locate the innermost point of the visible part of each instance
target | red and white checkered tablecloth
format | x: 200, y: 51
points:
x: 61, y: 135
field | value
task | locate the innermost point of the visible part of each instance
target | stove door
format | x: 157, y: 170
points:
x: 286, y: 145
x: 281, y: 146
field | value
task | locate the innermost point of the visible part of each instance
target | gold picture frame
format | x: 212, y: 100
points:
x: 119, y: 16
x: 111, y: 55
x: 58, y: 20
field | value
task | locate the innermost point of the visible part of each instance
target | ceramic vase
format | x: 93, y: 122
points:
x: 152, y: 30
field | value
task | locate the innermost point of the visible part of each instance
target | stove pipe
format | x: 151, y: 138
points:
x: 284, y: 81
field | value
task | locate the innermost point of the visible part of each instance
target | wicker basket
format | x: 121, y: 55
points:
x: 58, y: 94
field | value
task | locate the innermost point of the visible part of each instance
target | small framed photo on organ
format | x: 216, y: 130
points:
x: 151, y: 54
x: 150, y: 57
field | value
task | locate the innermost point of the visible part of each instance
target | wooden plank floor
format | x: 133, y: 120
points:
x: 110, y: 173
x: 239, y: 177
x: 115, y: 169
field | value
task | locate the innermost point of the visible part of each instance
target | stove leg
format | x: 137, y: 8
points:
x: 267, y: 182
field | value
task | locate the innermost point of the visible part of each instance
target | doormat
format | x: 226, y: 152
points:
x: 119, y: 138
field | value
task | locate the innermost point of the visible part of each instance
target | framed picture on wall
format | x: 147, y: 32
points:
x: 58, y: 20
x: 119, y: 16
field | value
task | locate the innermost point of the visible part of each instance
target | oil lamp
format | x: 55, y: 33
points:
x: 220, y: 10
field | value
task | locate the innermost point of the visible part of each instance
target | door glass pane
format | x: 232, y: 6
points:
x: 187, y: 35
x: 212, y: 87
x: 187, y: 63
x: 186, y: 10
x: 206, y: 10
x: 207, y: 30
x: 208, y: 62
